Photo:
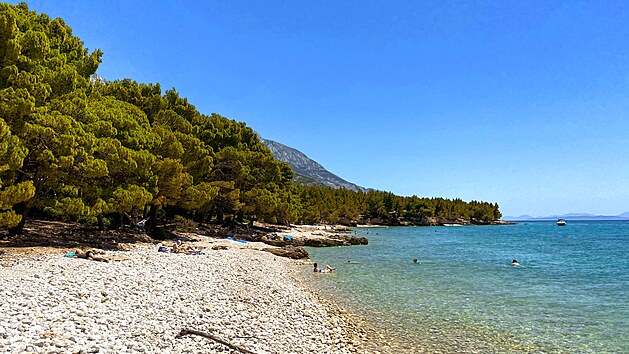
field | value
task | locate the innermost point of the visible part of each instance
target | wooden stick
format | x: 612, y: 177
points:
x: 214, y: 338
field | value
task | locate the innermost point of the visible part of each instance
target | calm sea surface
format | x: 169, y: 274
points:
x: 570, y: 293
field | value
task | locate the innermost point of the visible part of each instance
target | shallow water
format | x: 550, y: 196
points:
x: 569, y: 294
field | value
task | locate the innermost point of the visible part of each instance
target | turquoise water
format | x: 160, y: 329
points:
x: 570, y: 294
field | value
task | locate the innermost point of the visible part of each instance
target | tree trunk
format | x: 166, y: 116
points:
x: 101, y: 222
x: 119, y: 221
x: 22, y: 209
x: 201, y: 216
x: 151, y: 224
x: 145, y: 212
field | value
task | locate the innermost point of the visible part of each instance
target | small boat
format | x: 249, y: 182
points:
x: 561, y: 222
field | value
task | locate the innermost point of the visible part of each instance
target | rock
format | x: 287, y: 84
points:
x: 324, y: 242
x: 358, y: 240
x: 293, y: 252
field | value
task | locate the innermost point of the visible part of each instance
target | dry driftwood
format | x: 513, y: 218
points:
x: 214, y: 338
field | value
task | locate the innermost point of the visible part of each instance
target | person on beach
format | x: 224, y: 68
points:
x: 91, y: 254
x: 326, y: 269
x: 514, y: 263
x: 179, y: 247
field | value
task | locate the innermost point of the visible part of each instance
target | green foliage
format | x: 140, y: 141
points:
x: 125, y: 199
x: 12, y: 154
x: 10, y: 196
x: 199, y: 197
x: 324, y: 204
x: 75, y: 150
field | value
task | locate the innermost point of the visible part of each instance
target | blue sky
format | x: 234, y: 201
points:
x: 524, y: 103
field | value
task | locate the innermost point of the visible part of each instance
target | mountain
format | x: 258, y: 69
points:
x: 307, y: 171
x: 97, y: 78
x: 575, y: 215
x: 569, y: 216
x: 521, y: 217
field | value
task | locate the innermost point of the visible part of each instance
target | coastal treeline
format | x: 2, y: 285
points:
x: 346, y: 206
x: 117, y: 152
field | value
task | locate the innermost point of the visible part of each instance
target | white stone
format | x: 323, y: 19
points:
x: 141, y: 304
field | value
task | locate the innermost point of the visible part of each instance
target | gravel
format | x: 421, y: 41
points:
x: 53, y: 304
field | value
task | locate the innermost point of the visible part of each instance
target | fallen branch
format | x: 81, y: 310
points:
x: 214, y: 338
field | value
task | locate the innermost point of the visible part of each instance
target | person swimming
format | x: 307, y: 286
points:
x: 515, y: 263
x: 414, y: 260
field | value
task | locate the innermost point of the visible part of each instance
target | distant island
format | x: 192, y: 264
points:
x: 569, y: 216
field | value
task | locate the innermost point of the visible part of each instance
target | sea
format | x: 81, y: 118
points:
x: 569, y: 294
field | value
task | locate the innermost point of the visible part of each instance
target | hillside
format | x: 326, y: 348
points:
x: 308, y: 171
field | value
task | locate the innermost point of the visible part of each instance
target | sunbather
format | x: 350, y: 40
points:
x: 91, y: 254
x: 180, y: 248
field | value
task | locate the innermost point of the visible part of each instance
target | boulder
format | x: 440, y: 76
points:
x: 358, y: 240
x: 293, y: 252
x: 323, y: 242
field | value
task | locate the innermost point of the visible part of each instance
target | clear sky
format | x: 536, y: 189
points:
x: 524, y: 103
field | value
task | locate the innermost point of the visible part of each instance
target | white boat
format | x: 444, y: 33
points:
x: 561, y: 222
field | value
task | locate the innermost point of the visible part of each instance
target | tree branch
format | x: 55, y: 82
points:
x: 214, y: 338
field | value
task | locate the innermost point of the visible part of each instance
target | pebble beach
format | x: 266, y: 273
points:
x: 141, y: 300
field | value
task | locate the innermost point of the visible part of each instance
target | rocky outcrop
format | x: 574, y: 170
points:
x: 331, y: 242
x: 323, y: 242
x: 293, y: 252
x: 319, y: 241
x: 358, y: 240
x: 421, y: 220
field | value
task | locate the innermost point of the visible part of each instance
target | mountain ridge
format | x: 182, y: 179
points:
x: 307, y: 170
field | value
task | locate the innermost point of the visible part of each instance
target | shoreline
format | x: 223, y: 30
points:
x: 238, y: 270
x: 373, y: 339
x: 142, y: 300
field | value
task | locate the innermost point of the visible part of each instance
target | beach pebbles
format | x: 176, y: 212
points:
x: 140, y: 305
